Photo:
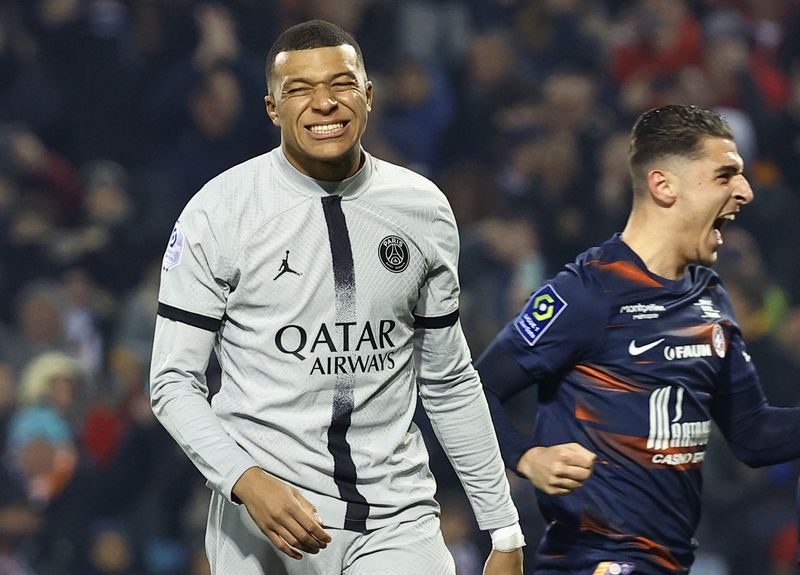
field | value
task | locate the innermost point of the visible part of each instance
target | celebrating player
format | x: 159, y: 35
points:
x: 635, y: 350
x: 325, y: 280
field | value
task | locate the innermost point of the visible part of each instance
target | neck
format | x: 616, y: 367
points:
x: 655, y: 245
x: 327, y: 171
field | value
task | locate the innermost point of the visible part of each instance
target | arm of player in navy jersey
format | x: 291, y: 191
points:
x: 543, y: 340
x: 757, y: 433
x: 556, y: 470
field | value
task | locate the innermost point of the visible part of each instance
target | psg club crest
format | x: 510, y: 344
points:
x: 393, y: 253
x: 718, y: 341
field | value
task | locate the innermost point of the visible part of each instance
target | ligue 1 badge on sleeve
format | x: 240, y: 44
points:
x: 541, y: 311
x: 393, y: 253
x: 172, y: 256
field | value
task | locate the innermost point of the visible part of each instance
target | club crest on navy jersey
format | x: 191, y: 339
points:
x: 541, y: 311
x: 393, y: 253
x: 718, y: 341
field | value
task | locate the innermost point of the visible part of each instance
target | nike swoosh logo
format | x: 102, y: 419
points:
x: 634, y: 349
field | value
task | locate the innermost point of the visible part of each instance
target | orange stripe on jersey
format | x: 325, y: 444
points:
x: 655, y: 551
x: 607, y: 381
x: 628, y: 271
x: 694, y: 331
x: 586, y: 413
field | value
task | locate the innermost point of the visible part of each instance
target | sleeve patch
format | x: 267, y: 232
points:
x: 539, y: 314
x: 172, y: 257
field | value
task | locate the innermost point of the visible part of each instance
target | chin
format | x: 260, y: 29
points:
x: 708, y: 260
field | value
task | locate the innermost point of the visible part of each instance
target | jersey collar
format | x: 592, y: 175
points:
x: 308, y: 186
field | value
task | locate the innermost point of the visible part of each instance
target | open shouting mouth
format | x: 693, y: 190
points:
x: 721, y: 222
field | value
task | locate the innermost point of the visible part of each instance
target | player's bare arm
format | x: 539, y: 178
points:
x: 504, y: 563
x: 282, y: 513
x: 559, y: 469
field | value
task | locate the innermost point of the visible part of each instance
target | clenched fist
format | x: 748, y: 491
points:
x: 557, y: 470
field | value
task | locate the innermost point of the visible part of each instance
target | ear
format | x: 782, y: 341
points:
x: 368, y: 87
x: 662, y: 187
x: 272, y: 109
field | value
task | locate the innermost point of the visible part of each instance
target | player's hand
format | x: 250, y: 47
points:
x: 286, y: 517
x: 504, y: 563
x: 557, y: 470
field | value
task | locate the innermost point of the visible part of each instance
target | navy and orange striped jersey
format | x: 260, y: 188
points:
x: 634, y: 367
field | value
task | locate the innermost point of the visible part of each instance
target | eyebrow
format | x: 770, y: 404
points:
x: 310, y: 82
x: 729, y: 170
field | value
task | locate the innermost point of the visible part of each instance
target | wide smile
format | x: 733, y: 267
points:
x: 327, y: 130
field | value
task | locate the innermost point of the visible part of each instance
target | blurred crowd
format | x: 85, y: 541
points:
x: 114, y: 112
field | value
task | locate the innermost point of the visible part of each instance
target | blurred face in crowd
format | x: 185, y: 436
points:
x: 320, y: 99
x: 40, y: 319
x: 709, y: 192
x: 61, y: 393
x: 217, y: 107
x: 36, y: 457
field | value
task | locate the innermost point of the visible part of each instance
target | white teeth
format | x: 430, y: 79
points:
x: 730, y: 217
x: 326, y: 128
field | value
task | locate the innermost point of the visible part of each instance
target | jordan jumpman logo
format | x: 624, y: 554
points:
x: 285, y: 268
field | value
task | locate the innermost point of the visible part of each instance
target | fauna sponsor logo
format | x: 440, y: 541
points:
x: 672, y: 353
x: 341, y: 347
x: 643, y: 310
x: 668, y: 430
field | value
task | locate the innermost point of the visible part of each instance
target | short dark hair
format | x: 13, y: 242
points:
x: 674, y: 131
x: 309, y: 35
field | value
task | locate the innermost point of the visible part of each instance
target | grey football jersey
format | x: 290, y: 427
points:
x: 325, y: 303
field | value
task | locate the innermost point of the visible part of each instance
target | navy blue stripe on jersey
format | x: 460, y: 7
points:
x: 344, y: 468
x: 437, y: 322
x: 189, y: 318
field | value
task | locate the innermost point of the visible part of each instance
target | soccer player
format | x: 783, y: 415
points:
x: 325, y: 280
x: 635, y: 350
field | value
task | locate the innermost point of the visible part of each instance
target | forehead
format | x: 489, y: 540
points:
x: 722, y: 151
x: 315, y: 63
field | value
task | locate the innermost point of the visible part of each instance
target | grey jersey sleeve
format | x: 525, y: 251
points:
x: 195, y: 282
x: 178, y: 394
x: 450, y: 387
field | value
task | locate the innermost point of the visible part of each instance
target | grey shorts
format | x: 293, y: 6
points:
x: 235, y: 546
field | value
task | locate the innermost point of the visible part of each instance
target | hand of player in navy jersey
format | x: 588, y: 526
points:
x: 282, y: 513
x: 557, y: 470
x: 504, y: 563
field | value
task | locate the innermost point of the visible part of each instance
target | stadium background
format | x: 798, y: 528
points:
x: 113, y: 113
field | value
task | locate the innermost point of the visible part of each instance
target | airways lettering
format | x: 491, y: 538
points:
x: 349, y: 364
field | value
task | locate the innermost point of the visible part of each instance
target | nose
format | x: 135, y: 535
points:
x: 323, y: 100
x: 743, y: 193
